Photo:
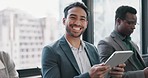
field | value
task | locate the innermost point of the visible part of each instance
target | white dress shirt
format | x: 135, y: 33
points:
x: 81, y: 57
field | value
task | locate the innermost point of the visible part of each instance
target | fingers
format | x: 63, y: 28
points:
x: 101, y: 69
x: 117, y: 71
x: 122, y: 65
x: 98, y: 71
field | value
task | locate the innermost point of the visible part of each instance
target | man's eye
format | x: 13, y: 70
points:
x: 72, y: 17
x: 83, y: 19
x: 130, y: 22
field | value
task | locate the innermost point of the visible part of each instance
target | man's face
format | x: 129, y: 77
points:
x: 76, y: 22
x: 127, y: 26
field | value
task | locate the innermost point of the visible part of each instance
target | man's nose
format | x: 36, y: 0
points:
x: 78, y: 22
x: 133, y: 26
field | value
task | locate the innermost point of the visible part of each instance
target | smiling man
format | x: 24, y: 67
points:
x: 71, y: 57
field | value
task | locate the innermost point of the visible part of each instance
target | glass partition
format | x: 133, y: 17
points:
x: 104, y: 18
x: 27, y: 25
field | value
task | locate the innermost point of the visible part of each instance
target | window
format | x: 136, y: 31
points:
x: 27, y: 25
x: 104, y: 15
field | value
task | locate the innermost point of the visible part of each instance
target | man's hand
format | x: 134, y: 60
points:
x: 98, y: 71
x: 117, y: 71
x: 146, y: 72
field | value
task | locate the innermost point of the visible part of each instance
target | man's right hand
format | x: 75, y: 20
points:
x: 98, y: 71
x: 146, y: 72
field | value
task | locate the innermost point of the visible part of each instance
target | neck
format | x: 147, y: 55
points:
x: 75, y: 42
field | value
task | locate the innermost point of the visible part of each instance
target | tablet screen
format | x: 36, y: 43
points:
x: 118, y: 57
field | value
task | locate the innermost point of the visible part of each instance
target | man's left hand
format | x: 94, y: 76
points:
x: 118, y: 71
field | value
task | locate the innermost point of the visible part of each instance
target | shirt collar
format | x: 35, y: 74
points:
x: 82, y: 45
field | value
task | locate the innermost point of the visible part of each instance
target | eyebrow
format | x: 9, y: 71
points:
x: 76, y: 15
x: 130, y: 20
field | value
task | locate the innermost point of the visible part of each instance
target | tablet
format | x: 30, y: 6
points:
x: 118, y: 57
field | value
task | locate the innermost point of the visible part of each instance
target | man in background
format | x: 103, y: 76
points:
x: 120, y: 40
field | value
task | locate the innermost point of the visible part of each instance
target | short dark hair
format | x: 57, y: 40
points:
x: 75, y: 4
x: 122, y: 10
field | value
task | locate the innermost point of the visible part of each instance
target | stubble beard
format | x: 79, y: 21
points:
x: 71, y: 34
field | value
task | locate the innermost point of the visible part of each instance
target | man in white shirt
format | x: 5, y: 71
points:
x: 71, y: 57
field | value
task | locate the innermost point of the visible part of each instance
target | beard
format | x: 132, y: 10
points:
x: 73, y: 34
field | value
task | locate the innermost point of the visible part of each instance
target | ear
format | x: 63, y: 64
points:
x: 118, y: 21
x: 64, y: 19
